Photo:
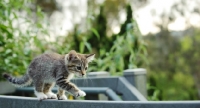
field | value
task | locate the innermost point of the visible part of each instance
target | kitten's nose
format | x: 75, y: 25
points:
x: 82, y: 73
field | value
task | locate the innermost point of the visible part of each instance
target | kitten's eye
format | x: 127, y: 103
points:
x: 86, y: 68
x: 78, y: 67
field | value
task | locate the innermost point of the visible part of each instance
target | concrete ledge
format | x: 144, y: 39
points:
x: 89, y: 90
x: 27, y: 102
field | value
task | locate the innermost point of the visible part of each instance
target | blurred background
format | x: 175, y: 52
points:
x: 162, y: 36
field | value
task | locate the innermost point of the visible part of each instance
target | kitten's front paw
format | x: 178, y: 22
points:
x: 41, y: 95
x: 81, y: 94
x: 63, y: 97
x: 51, y: 95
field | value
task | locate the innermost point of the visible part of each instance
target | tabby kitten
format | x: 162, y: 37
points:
x: 49, y: 69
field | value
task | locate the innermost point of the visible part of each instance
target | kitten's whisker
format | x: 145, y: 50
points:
x: 92, y: 84
x: 86, y: 82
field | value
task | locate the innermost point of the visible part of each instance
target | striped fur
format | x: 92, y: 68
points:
x: 47, y: 69
x: 18, y: 82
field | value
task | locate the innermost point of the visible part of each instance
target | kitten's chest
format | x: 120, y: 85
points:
x: 70, y: 76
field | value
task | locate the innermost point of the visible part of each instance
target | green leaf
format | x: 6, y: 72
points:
x: 88, y: 46
x: 81, y: 47
x: 8, y: 51
x: 5, y: 29
x: 15, y: 16
x: 96, y: 33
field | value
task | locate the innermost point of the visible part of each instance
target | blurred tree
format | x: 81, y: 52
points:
x: 167, y: 48
x: 109, y: 49
x: 189, y: 56
x: 18, y: 41
x: 129, y: 19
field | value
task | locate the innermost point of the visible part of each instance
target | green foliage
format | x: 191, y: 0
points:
x: 127, y: 51
x: 17, y: 43
x: 113, y: 54
x: 173, y: 66
x: 19, y: 46
x: 166, y: 87
x: 154, y: 93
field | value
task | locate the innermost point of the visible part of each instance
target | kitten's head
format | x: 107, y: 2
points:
x: 78, y: 63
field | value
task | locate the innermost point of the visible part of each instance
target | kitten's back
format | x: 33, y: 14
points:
x: 45, y: 65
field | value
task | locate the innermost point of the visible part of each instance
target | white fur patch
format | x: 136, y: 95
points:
x: 51, y: 95
x: 81, y: 94
x: 71, y: 75
x: 40, y: 95
x: 63, y: 97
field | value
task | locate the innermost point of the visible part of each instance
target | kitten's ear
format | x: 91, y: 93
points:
x: 72, y: 55
x: 89, y: 57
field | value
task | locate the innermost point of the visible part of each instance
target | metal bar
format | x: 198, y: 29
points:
x: 112, y: 95
x: 117, y: 84
x: 26, y: 102
x: 90, y: 90
x: 110, y: 82
x: 130, y: 91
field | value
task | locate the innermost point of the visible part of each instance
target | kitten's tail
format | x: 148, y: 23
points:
x: 19, y: 82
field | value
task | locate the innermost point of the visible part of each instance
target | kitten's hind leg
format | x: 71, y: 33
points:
x: 61, y: 94
x: 47, y: 90
x: 39, y: 90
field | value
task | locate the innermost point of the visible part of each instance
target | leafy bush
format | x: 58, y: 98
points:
x: 173, y: 66
x: 19, y: 45
x: 19, y: 40
x: 163, y: 86
x: 116, y: 53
